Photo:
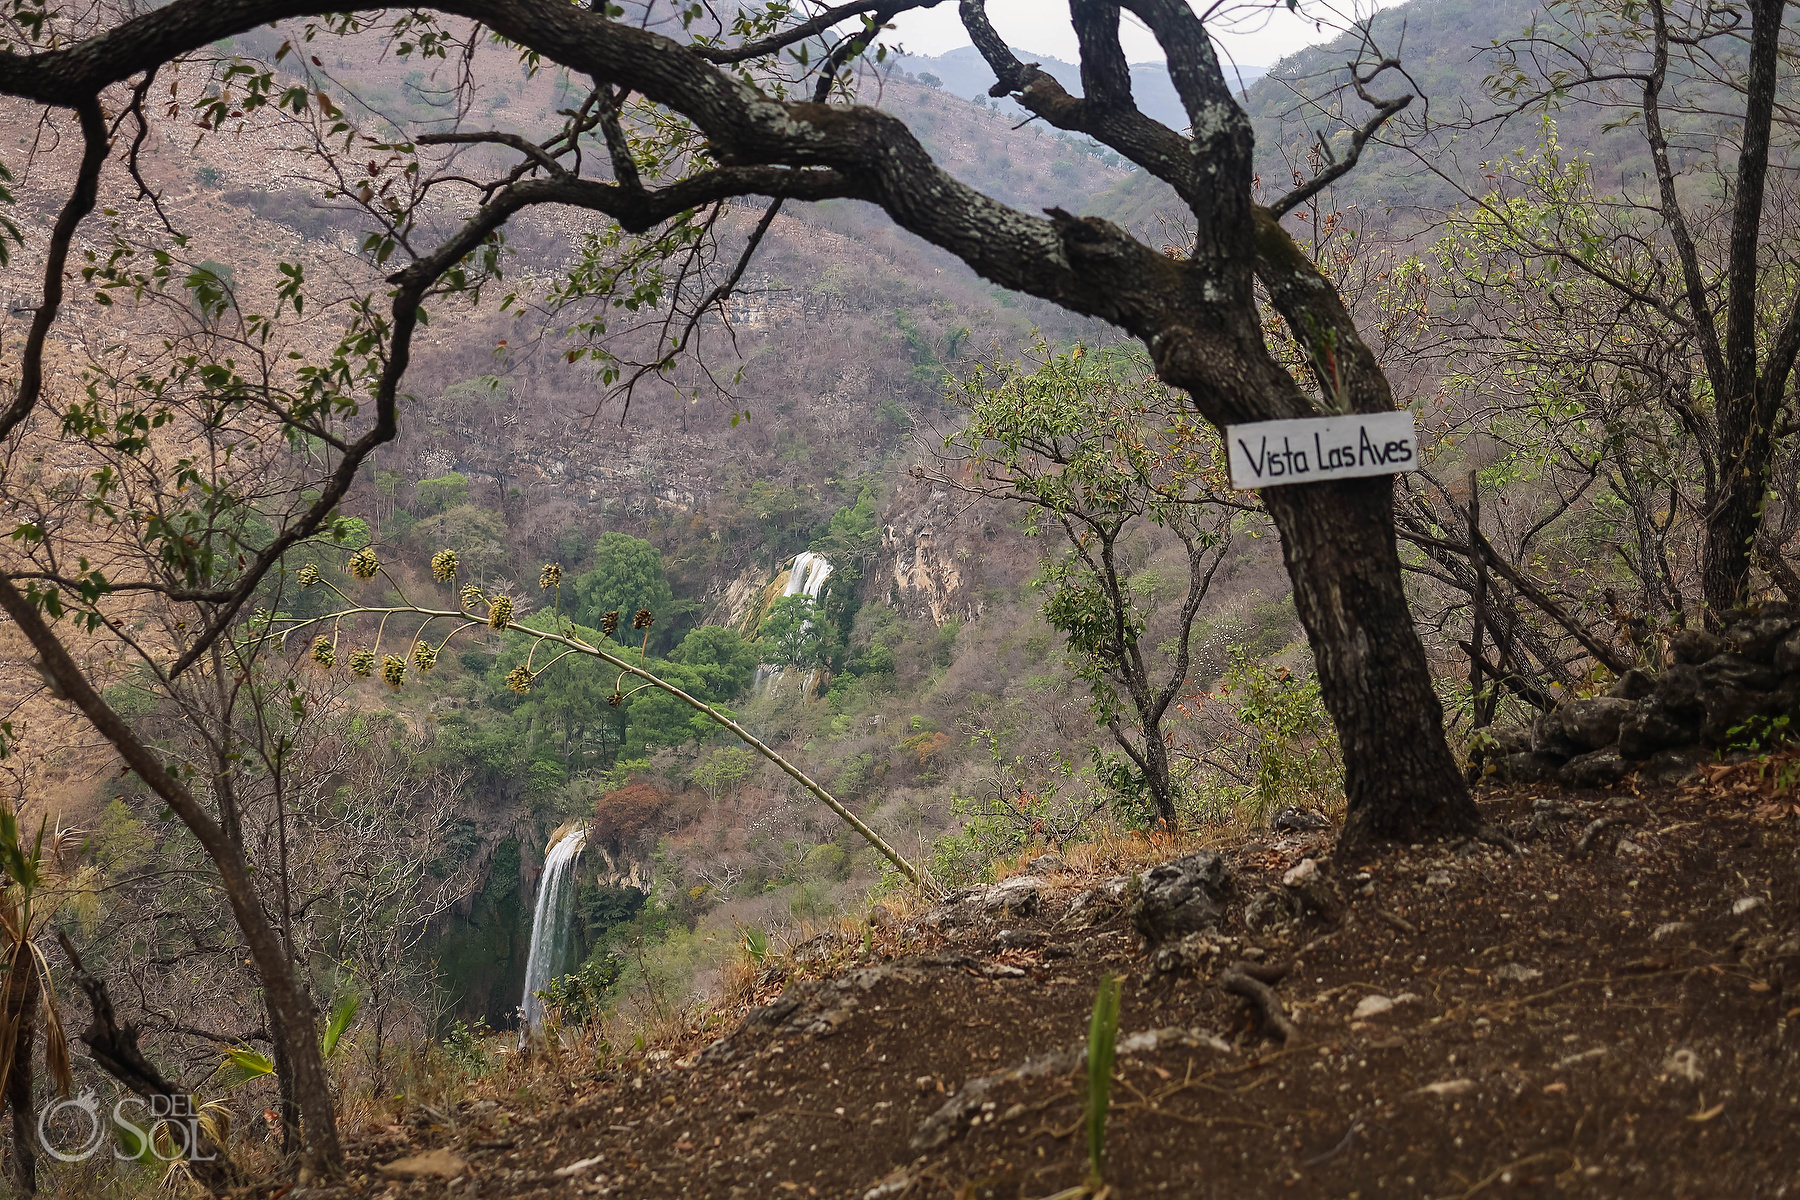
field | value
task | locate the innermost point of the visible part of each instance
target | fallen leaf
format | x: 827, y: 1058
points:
x: 433, y: 1164
x: 1449, y: 1087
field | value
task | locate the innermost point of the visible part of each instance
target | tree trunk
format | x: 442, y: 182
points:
x: 22, y: 993
x: 1399, y: 775
x: 290, y: 1010
x: 1736, y: 515
x: 1156, y: 774
x: 286, y: 1109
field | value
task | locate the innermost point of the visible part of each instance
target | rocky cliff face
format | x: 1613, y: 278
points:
x: 936, y: 554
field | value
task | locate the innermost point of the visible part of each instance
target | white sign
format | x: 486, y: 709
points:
x: 1315, y: 449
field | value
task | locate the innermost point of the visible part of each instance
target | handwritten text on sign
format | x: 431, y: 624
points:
x: 1314, y: 449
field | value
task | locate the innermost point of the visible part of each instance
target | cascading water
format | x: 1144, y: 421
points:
x: 806, y: 577
x: 550, y: 924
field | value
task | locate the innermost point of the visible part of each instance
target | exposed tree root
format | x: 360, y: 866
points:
x: 1275, y: 1021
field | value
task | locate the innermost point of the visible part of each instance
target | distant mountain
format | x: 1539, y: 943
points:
x: 963, y: 72
x: 1446, y: 47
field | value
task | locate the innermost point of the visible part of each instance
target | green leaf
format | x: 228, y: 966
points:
x: 242, y: 1065
x: 342, y: 1013
x: 1103, y: 1033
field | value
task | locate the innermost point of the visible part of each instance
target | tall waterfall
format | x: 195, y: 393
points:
x: 550, y: 924
x: 806, y: 577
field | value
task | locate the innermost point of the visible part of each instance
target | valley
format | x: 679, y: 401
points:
x: 653, y: 602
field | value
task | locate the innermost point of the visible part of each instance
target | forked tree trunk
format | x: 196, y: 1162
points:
x: 1400, y: 778
x: 1151, y: 758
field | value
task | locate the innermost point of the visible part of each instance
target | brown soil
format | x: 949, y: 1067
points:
x: 1615, y: 1011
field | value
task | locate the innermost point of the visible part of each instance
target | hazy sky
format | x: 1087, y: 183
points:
x: 1253, y: 34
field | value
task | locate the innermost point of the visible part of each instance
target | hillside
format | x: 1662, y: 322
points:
x: 1446, y: 48
x: 845, y: 330
x: 1605, y: 1013
x: 758, y: 710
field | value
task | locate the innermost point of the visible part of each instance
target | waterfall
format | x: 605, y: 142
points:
x: 550, y: 924
x: 806, y: 577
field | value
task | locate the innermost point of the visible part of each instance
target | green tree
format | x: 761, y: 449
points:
x: 723, y: 659
x: 477, y: 534
x: 722, y: 772
x: 654, y: 718
x: 793, y: 634
x: 627, y: 576
x: 1099, y: 450
x: 572, y: 703
x: 436, y: 495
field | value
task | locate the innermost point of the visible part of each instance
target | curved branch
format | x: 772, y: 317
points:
x: 1337, y: 168
x: 651, y: 679
x: 96, y: 144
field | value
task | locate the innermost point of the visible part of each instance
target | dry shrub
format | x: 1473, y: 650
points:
x: 624, y: 815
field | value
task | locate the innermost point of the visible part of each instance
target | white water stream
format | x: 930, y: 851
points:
x: 805, y: 578
x: 550, y: 924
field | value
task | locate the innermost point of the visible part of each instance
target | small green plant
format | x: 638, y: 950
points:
x: 580, y: 997
x: 465, y: 1045
x: 756, y: 945
x: 1268, y: 741
x: 1759, y: 733
x: 1103, y: 1034
x: 239, y: 1065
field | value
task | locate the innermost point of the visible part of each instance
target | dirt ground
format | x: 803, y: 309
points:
x: 1614, y: 1010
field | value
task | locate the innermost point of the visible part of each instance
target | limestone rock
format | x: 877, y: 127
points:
x: 1683, y: 1064
x: 1597, y: 769
x: 1314, y: 890
x: 1756, y: 636
x: 1695, y: 646
x: 1656, y: 725
x: 1787, y: 655
x: 1181, y: 897
x: 1270, y: 908
x: 1298, y: 820
x: 1634, y: 684
x: 1737, y: 671
x: 1580, y: 726
x: 1527, y: 767
x: 1674, y: 765
x: 1726, y: 709
x: 1020, y: 896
